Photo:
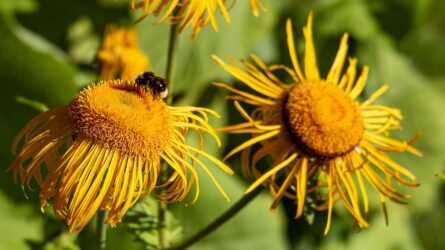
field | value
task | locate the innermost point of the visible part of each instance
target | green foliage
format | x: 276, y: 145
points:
x: 31, y: 103
x: 142, y: 221
x: 12, y: 6
x: 83, y: 42
x: 65, y: 241
x: 18, y: 222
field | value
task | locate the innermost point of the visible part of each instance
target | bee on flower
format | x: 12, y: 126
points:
x: 103, y: 151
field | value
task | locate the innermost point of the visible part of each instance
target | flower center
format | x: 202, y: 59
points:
x: 326, y: 122
x: 123, y: 116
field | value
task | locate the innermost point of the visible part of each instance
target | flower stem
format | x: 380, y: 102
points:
x: 226, y: 216
x: 164, y: 238
x: 171, y: 56
x: 102, y: 230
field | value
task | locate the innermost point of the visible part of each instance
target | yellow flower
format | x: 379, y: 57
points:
x: 103, y: 151
x: 120, y: 56
x: 325, y: 143
x: 195, y: 13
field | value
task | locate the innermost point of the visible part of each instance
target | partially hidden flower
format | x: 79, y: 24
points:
x: 120, y: 55
x: 194, y: 13
x: 324, y: 141
x: 103, y: 151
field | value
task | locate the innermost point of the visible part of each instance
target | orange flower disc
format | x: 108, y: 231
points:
x: 124, y: 117
x: 324, y: 119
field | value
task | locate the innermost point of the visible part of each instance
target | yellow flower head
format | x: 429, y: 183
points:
x: 324, y: 141
x: 104, y: 151
x: 195, y: 13
x: 120, y: 56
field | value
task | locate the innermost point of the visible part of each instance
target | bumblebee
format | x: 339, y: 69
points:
x: 157, y: 85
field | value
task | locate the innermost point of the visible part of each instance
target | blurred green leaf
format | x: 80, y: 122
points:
x: 65, y: 241
x: 118, y: 238
x: 142, y: 221
x: 55, y: 17
x: 23, y: 6
x: 427, y: 49
x: 441, y: 175
x: 17, y: 224
x: 429, y: 226
x: 32, y: 103
x: 83, y: 42
x: 426, y: 42
x: 38, y: 43
x: 398, y: 235
x: 340, y: 16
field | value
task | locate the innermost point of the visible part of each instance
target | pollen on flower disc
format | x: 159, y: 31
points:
x: 325, y: 121
x: 123, y: 116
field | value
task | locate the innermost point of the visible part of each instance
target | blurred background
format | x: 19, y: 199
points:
x: 47, y: 51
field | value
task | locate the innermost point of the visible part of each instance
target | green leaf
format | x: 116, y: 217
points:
x: 142, y: 221
x: 425, y: 43
x: 83, y: 43
x: 441, y: 175
x: 398, y: 235
x: 23, y: 6
x: 339, y: 16
x: 54, y: 17
x: 65, y: 241
x: 32, y: 103
x: 18, y: 222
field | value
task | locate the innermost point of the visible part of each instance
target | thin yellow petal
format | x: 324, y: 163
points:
x: 272, y: 171
x: 292, y: 50
x: 310, y: 57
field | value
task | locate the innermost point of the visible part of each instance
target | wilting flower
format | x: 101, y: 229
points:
x: 120, y: 56
x: 324, y: 142
x: 195, y: 13
x: 104, y: 151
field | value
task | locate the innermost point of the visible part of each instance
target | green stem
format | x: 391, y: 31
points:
x: 226, y: 216
x: 171, y: 60
x: 164, y: 237
x: 102, y: 230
